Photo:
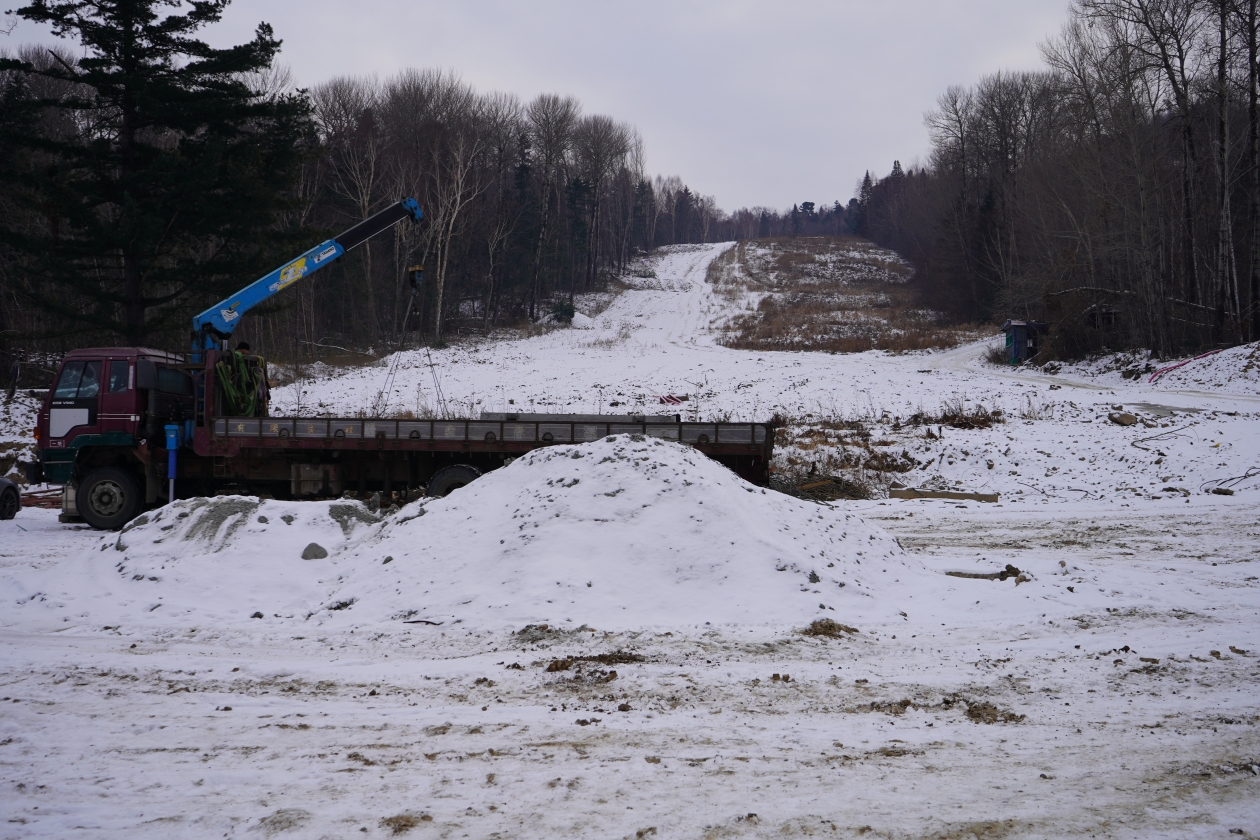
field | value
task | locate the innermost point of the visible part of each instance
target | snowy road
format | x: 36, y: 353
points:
x: 1110, y: 693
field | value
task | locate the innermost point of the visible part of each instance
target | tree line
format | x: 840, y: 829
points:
x: 1115, y: 193
x: 146, y: 175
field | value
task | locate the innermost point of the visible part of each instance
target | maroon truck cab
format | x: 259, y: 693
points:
x: 94, y: 429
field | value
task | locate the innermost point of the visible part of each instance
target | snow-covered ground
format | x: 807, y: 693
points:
x: 17, y: 424
x: 606, y: 640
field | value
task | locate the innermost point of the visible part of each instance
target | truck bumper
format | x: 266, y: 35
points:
x: 69, y: 509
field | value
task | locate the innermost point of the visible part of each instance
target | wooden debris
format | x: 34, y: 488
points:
x: 914, y: 493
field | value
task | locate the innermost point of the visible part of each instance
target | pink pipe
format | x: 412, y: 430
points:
x: 1161, y: 371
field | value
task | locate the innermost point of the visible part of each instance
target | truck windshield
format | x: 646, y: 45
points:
x: 68, y: 384
x: 78, y: 379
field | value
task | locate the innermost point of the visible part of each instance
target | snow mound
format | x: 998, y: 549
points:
x: 620, y: 533
x: 624, y: 532
x: 202, y: 561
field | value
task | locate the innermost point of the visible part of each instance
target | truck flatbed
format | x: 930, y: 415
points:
x: 126, y: 428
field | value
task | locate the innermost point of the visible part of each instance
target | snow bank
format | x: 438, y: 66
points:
x: 1233, y: 371
x: 200, y: 561
x: 624, y: 532
x: 17, y: 418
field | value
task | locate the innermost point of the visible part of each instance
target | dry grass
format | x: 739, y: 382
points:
x: 837, y: 294
x: 828, y: 458
x: 830, y: 629
x: 402, y: 823
x: 997, y: 354
x: 985, y: 712
x: 609, y: 342
x: 956, y: 414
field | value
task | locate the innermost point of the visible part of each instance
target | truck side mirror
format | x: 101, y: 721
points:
x: 146, y: 373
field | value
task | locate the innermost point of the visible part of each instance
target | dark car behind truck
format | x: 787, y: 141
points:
x: 102, y: 433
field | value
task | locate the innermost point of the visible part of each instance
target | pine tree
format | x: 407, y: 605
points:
x: 864, y: 205
x: 160, y: 197
x: 683, y: 206
x: 796, y: 220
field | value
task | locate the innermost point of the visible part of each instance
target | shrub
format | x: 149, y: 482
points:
x: 563, y: 312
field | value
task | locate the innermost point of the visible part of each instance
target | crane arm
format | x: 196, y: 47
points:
x: 217, y: 323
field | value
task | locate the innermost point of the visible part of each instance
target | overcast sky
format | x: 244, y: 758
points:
x: 756, y: 103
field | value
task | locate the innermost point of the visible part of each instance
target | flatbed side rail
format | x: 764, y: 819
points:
x: 278, y: 431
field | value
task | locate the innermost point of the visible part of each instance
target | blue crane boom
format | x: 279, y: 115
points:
x: 214, y: 326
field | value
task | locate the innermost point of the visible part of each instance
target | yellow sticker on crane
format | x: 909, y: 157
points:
x: 290, y: 274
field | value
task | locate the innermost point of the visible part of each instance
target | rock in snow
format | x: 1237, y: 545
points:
x: 621, y: 533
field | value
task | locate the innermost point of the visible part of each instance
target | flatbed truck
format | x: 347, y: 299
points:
x: 127, y: 428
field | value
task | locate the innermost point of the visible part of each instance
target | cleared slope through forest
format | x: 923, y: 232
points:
x: 1106, y: 690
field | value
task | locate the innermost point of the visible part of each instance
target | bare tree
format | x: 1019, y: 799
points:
x: 455, y: 185
x: 1226, y: 269
x: 601, y: 144
x: 552, y: 122
x: 1168, y: 34
x: 346, y: 109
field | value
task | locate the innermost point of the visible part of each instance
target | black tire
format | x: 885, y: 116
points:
x: 449, y: 479
x: 108, y: 498
x: 10, y: 501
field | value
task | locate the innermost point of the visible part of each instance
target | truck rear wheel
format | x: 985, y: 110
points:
x: 108, y: 498
x: 449, y: 479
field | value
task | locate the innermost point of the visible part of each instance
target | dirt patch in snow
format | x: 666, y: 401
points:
x: 986, y: 712
x: 402, y: 823
x: 285, y: 819
x: 827, y: 627
x: 617, y: 657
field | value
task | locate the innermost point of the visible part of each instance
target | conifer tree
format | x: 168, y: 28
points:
x: 159, y: 196
x: 864, y: 205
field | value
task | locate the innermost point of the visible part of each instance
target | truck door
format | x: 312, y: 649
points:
x: 73, y: 409
x: 118, y: 398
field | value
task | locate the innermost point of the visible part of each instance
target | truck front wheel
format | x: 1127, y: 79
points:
x: 108, y: 498
x: 449, y: 479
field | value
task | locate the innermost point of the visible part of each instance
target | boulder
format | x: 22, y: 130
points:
x: 314, y: 551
